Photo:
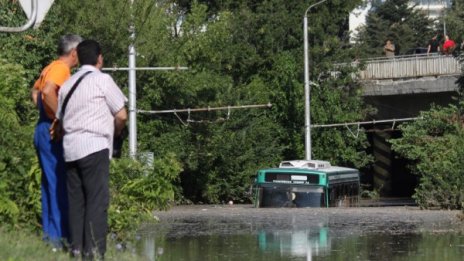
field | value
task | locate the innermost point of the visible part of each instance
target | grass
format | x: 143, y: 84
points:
x: 21, y: 244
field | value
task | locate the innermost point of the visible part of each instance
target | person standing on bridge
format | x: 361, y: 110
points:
x: 448, y: 46
x: 389, y: 49
x: 434, y: 45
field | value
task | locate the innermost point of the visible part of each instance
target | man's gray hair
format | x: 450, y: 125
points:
x: 67, y: 43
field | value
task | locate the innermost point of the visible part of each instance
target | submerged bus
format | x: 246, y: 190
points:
x: 306, y: 183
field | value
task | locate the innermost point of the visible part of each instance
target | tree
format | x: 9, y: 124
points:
x: 237, y: 52
x: 236, y: 55
x: 398, y: 21
x: 435, y: 147
x: 454, y: 19
x: 19, y: 170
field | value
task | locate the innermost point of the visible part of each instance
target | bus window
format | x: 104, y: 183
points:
x: 343, y: 195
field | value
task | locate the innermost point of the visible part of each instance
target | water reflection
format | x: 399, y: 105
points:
x: 298, y: 243
x: 299, y: 235
x: 304, y: 245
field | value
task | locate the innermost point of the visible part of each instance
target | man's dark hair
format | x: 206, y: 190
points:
x: 88, y: 52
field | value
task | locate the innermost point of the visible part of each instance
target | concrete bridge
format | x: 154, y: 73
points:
x: 401, y: 87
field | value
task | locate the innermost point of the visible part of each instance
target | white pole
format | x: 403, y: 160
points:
x: 307, y: 126
x: 132, y: 104
x: 132, y: 93
x: 306, y: 84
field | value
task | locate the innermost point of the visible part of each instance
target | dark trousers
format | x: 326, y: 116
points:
x: 88, y: 195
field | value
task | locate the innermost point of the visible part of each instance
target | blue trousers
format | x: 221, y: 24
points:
x: 54, y: 193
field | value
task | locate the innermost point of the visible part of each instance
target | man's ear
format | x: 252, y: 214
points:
x: 100, y: 61
x: 74, y: 55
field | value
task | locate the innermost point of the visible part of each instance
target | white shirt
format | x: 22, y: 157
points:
x: 88, y: 121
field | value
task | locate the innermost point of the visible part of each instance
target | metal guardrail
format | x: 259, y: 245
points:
x: 411, y: 66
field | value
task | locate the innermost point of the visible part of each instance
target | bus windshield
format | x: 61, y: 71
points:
x: 291, y: 196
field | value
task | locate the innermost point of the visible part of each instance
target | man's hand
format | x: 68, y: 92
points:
x: 56, y: 130
x: 120, y: 121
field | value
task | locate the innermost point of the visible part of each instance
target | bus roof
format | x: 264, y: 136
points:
x: 310, y: 166
x: 329, y: 170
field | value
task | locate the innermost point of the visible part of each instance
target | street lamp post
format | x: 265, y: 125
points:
x: 306, y: 83
x: 445, y: 5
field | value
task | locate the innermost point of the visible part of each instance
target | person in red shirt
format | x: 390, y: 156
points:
x: 448, y: 46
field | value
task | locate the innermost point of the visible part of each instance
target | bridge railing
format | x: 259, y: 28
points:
x: 409, y: 67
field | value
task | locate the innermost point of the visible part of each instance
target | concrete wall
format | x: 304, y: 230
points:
x: 420, y: 85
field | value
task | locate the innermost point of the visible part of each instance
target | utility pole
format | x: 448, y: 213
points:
x: 445, y: 5
x: 132, y: 89
x: 306, y: 84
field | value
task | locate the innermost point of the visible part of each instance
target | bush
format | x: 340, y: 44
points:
x: 19, y: 169
x: 137, y: 189
x: 435, y: 146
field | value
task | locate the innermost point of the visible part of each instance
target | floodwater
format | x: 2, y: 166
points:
x: 246, y: 233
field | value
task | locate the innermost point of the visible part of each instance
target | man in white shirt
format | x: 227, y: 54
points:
x: 94, y: 114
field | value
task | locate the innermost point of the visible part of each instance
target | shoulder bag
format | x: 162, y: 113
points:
x: 56, y: 129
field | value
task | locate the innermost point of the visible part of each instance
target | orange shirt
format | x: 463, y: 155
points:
x: 56, y: 72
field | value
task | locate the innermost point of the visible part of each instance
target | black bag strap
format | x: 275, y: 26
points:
x: 71, y: 91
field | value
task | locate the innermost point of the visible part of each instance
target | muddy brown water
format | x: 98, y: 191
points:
x: 242, y: 232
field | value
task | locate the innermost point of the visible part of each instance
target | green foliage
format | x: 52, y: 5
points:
x: 394, y: 20
x: 238, y: 53
x: 33, y: 49
x: 103, y: 21
x: 368, y: 193
x: 435, y: 145
x: 337, y: 100
x: 236, y: 56
x: 11, y: 14
x: 454, y: 20
x: 23, y: 55
x: 137, y: 189
x: 19, y: 174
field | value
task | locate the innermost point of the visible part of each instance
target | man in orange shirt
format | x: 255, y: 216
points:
x: 50, y: 152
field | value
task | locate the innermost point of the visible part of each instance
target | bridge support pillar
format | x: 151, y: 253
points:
x: 383, y: 163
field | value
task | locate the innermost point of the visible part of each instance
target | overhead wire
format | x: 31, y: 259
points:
x: 372, y: 122
x: 268, y: 105
x: 394, y: 121
x: 207, y: 109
